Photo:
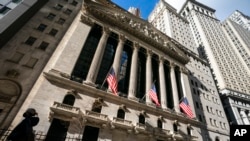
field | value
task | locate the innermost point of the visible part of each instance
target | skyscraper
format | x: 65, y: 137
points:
x: 14, y: 14
x: 230, y: 71
x: 241, y: 19
x: 239, y: 38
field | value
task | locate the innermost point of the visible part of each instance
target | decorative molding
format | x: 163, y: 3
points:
x: 85, y: 19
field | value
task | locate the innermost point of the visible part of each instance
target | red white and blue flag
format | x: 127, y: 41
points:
x: 184, y: 105
x: 111, y: 79
x: 153, y: 95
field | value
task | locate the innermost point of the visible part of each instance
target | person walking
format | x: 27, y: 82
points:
x: 24, y: 130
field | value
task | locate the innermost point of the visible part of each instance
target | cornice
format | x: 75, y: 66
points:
x: 111, y: 15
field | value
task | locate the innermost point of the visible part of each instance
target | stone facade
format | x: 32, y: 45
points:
x: 73, y: 99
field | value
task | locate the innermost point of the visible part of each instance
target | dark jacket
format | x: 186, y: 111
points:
x: 24, y: 130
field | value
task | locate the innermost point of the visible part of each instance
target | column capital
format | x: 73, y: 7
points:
x: 136, y: 45
x: 172, y: 64
x: 161, y: 58
x: 149, y: 52
x: 122, y: 38
x: 106, y: 30
x: 184, y: 70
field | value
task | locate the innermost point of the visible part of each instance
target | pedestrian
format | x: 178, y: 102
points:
x: 24, y: 130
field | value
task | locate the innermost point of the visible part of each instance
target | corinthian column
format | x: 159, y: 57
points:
x: 96, y: 62
x: 133, y: 72
x: 174, y: 88
x: 162, y: 83
x: 118, y: 55
x: 148, y: 75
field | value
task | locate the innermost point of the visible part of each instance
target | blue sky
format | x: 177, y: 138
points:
x: 223, y: 8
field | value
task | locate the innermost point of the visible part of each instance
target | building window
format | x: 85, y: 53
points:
x: 217, y: 139
x: 58, y: 7
x: 16, y: 57
x: 16, y: 1
x: 200, y: 118
x: 197, y: 105
x: 41, y: 27
x: 53, y: 32
x: 51, y: 16
x: 175, y: 127
x: 68, y: 11
x: 141, y: 119
x: 43, y: 45
x: 30, y: 41
x: 31, y: 63
x: 159, y: 123
x: 4, y: 9
x: 69, y: 99
x: 121, y: 114
x: 189, y: 131
x: 74, y: 3
x: 97, y: 107
x: 61, y: 21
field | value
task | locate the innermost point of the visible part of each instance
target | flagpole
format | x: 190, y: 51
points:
x: 147, y: 91
x: 106, y: 76
x: 181, y: 99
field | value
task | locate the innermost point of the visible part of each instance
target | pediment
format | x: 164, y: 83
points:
x: 116, y: 17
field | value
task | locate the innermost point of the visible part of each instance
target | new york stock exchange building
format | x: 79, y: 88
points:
x: 74, y: 100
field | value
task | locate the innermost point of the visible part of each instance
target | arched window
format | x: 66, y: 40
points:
x: 69, y: 100
x: 159, y: 123
x: 121, y: 114
x: 217, y: 139
x: 141, y: 119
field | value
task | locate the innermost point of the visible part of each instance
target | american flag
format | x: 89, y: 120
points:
x: 186, y: 108
x: 111, y: 79
x: 153, y: 95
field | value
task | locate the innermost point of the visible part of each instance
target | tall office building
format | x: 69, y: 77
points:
x: 239, y: 38
x: 14, y: 14
x: 237, y: 104
x: 24, y: 56
x: 208, y: 106
x: 230, y: 71
x: 241, y: 19
x: 74, y: 101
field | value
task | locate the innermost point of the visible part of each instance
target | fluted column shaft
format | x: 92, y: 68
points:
x: 174, y: 88
x: 133, y: 72
x: 162, y: 84
x: 148, y: 76
x: 96, y: 62
x: 182, y: 82
x: 118, y: 56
